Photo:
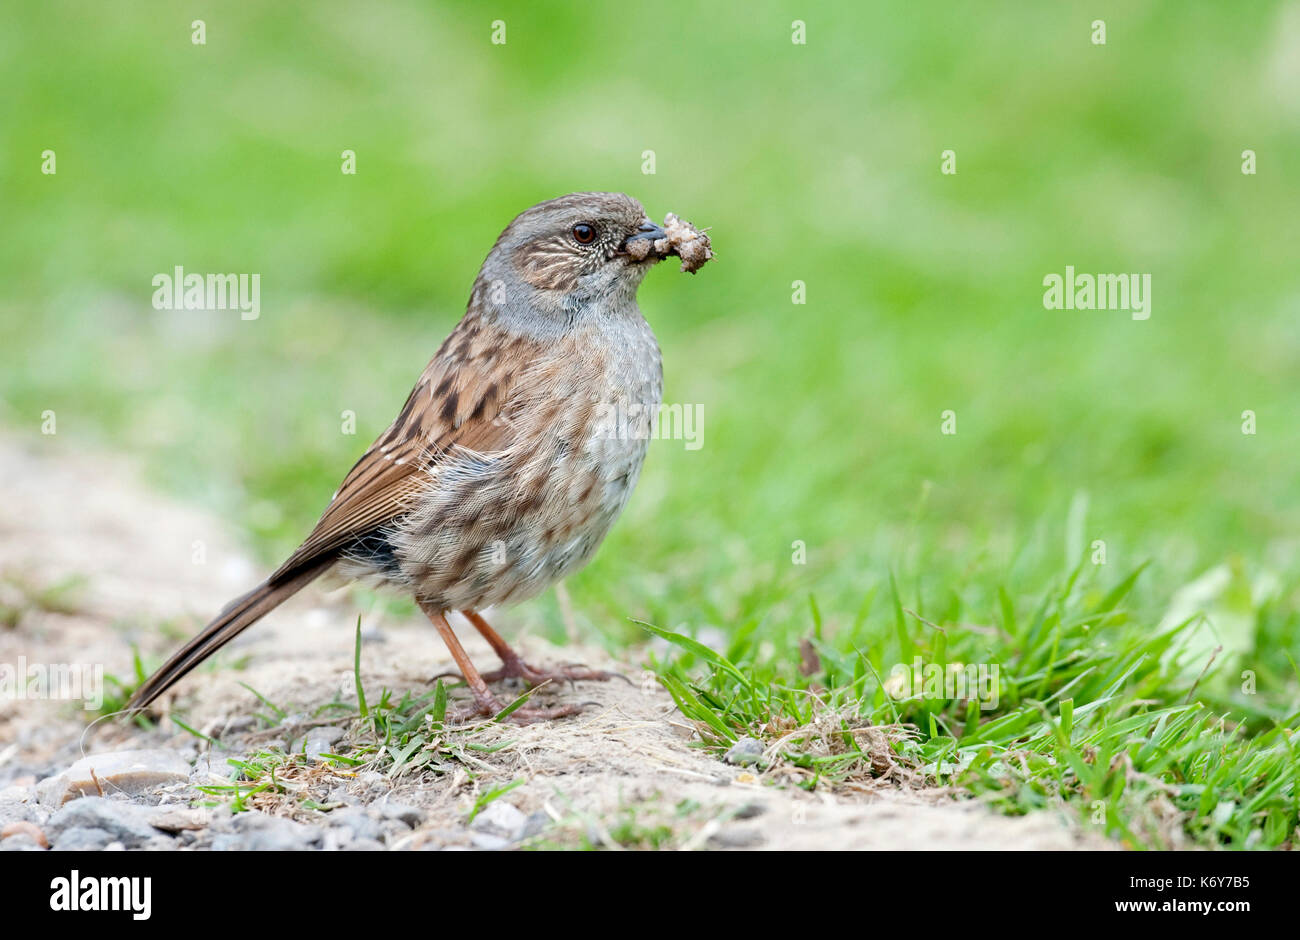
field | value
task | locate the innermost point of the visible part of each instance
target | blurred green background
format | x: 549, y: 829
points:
x: 816, y: 162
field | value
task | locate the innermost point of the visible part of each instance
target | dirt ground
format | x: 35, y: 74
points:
x: 625, y: 773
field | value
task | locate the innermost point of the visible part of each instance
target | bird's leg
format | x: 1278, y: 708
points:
x: 485, y: 703
x: 514, y: 667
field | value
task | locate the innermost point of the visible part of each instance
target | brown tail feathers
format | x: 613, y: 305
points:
x: 239, y: 615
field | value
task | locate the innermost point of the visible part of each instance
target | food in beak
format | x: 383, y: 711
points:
x: 680, y: 238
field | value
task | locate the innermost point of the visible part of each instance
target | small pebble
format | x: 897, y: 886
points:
x: 121, y: 821
x: 501, y: 818
x: 20, y: 843
x: 737, y: 839
x: 412, y: 816
x: 79, y: 839
x: 744, y: 752
x: 321, y: 741
x: 25, y: 828
x: 118, y: 772
x: 254, y: 831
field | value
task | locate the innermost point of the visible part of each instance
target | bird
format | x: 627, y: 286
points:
x: 503, y: 472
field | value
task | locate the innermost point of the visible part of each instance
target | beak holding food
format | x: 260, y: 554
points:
x: 642, y: 244
x: 675, y: 237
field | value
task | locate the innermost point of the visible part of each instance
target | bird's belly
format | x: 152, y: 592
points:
x: 511, y: 542
x: 578, y: 511
x: 497, y: 529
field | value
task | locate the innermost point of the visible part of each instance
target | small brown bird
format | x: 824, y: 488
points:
x: 503, y: 472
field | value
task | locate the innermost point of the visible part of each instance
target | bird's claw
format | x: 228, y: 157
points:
x: 490, y: 707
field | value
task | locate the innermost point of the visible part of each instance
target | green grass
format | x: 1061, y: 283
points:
x: 1134, y: 727
x: 822, y: 421
x: 651, y: 822
x: 18, y: 596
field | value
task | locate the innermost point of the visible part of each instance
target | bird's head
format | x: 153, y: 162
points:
x: 571, y: 252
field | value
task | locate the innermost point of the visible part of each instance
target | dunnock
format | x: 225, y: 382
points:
x: 500, y: 475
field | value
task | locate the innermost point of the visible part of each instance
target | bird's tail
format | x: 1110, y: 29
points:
x: 239, y: 615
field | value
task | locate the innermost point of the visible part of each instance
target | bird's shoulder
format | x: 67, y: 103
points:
x: 467, y: 399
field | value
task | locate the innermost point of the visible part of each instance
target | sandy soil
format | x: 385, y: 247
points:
x: 630, y: 762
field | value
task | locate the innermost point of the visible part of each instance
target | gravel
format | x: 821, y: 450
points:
x: 261, y: 833
x: 120, y: 821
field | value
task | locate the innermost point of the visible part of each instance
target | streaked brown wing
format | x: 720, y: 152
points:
x: 458, y: 401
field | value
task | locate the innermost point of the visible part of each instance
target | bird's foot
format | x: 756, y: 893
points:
x: 513, y: 668
x: 489, y: 706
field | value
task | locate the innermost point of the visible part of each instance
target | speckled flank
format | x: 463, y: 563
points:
x: 501, y: 526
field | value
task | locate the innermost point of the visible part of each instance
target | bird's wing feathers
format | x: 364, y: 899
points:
x: 458, y: 403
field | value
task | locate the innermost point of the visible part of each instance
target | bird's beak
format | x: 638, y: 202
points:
x: 648, y: 231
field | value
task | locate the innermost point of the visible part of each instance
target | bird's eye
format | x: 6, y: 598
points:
x: 584, y: 233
